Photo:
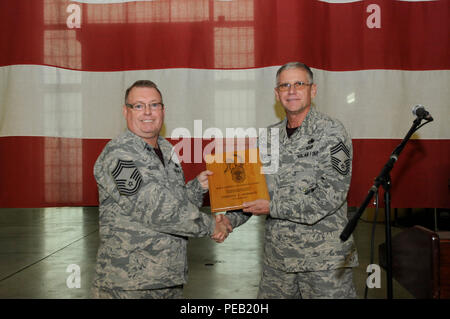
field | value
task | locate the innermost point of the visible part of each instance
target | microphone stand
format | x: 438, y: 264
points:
x: 384, y: 179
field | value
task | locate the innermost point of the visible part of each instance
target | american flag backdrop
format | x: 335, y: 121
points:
x: 64, y: 67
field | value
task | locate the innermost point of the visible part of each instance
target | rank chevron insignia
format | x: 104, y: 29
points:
x: 340, y: 158
x: 127, y: 177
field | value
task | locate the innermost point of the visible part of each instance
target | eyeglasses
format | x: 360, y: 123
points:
x: 283, y: 87
x: 141, y: 106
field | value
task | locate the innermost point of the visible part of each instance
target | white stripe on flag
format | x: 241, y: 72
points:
x: 49, y: 101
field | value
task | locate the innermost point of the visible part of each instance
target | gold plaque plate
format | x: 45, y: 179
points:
x: 237, y: 179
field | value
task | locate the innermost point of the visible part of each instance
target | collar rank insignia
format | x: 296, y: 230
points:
x: 127, y: 177
x: 340, y: 158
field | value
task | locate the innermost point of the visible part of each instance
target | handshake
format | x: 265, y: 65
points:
x: 223, y: 225
x: 223, y: 228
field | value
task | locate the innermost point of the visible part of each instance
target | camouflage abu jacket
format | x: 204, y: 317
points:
x: 308, y: 207
x: 146, y: 213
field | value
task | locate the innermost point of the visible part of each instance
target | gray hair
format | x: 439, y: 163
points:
x: 295, y: 65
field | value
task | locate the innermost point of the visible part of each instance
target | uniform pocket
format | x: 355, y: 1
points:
x: 305, y: 180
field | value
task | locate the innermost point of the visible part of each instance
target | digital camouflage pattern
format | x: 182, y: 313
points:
x: 323, y: 284
x: 308, y: 207
x: 162, y: 293
x: 308, y: 210
x: 146, y: 214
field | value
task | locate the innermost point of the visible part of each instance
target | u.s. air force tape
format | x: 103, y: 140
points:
x: 127, y: 177
x: 340, y: 158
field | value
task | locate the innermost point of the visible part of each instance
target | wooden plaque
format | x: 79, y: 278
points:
x: 237, y: 179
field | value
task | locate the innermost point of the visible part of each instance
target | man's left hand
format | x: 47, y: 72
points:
x: 257, y: 207
x: 203, y: 179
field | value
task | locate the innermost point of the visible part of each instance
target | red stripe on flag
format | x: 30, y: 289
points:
x: 47, y: 171
x: 226, y: 35
x: 420, y: 177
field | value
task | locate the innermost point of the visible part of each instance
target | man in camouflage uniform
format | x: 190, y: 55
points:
x: 303, y: 254
x: 146, y: 209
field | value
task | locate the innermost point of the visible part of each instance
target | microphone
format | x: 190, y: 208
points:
x: 420, y: 112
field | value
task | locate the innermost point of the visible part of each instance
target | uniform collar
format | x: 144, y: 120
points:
x: 138, y: 143
x: 307, y: 127
x: 141, y: 146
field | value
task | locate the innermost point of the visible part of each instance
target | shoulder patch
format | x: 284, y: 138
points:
x: 340, y: 158
x: 127, y: 177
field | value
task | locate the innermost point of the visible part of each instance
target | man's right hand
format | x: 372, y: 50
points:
x: 223, y: 228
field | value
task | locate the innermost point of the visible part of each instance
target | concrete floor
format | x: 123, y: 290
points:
x: 37, y: 246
